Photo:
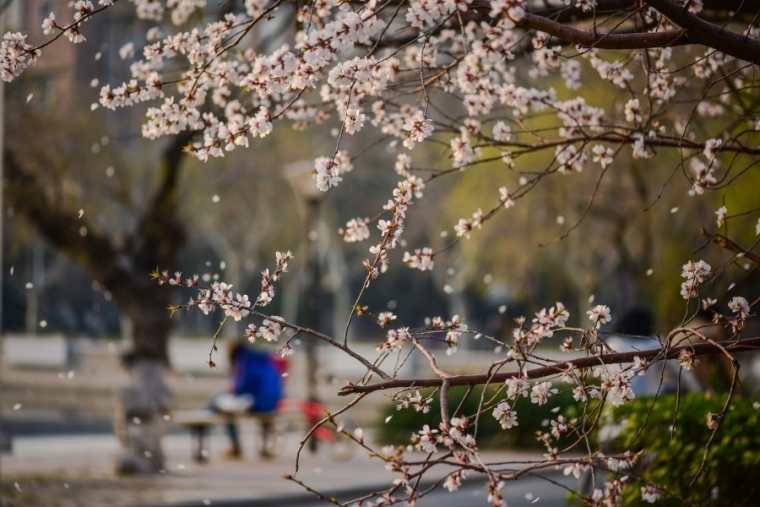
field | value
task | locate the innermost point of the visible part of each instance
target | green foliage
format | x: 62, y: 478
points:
x: 731, y: 473
x: 530, y: 417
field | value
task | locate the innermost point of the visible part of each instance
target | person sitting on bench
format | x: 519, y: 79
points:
x: 256, y: 388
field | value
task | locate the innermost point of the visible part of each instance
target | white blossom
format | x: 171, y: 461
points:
x: 395, y: 338
x: 356, y: 230
x: 505, y: 198
x: 711, y: 148
x: 421, y: 259
x: 720, y: 216
x: 599, y: 315
x: 385, y: 318
x: 514, y: 10
x: 517, y: 387
x: 270, y: 329
x: 15, y: 55
x: 49, y: 24
x: 501, y: 132
x: 603, y: 155
x: 127, y: 50
x: 703, y: 176
x: 540, y: 393
x: 740, y: 307
x: 650, y: 494
x: 633, y: 111
x: 505, y: 415
x: 695, y: 274
x: 329, y: 171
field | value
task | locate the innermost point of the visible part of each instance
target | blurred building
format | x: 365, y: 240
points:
x: 69, y: 72
x: 67, y: 77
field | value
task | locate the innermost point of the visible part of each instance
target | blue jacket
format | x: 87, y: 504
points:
x: 257, y: 375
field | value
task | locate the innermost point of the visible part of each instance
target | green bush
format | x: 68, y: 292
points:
x: 732, y: 472
x: 530, y: 418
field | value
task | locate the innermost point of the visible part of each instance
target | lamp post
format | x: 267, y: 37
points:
x: 300, y: 177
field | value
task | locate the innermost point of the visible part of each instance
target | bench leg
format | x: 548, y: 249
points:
x: 266, y: 422
x: 200, y: 453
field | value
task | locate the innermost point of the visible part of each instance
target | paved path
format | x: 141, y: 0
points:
x: 73, y: 471
x: 76, y: 470
x: 527, y: 492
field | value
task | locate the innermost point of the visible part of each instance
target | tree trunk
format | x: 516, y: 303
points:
x: 123, y: 270
x: 143, y: 406
x: 146, y: 307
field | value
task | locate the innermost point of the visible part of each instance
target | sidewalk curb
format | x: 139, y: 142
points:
x: 296, y: 499
x: 306, y: 498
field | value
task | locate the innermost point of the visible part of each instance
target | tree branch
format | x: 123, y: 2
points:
x: 695, y: 30
x: 559, y: 367
x: 61, y: 226
x: 159, y: 233
x: 609, y: 40
x: 709, y: 34
x: 733, y: 246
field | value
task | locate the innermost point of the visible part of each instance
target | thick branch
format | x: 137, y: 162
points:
x: 733, y: 246
x: 171, y: 161
x: 159, y: 219
x: 160, y: 233
x: 123, y: 271
x: 610, y: 40
x: 559, y: 367
x: 709, y: 34
x: 695, y: 30
x: 61, y: 227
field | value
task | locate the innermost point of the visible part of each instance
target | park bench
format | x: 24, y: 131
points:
x: 199, y: 422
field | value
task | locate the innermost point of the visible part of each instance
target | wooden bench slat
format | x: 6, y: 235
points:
x: 196, y: 417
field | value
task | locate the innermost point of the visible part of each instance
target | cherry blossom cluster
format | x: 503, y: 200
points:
x: 270, y: 329
x: 395, y: 338
x: 440, y: 80
x: 421, y: 259
x: 16, y: 54
x: 328, y: 171
x: 415, y: 401
x: 452, y: 435
x: 543, y: 325
x: 392, y: 228
x: 219, y: 294
x: 356, y: 230
x: 695, y: 273
x: 599, y: 315
x: 453, y: 328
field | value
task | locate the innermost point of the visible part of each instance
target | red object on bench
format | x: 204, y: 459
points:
x: 313, y: 411
x: 281, y: 363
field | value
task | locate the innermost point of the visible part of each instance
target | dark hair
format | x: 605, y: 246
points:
x: 233, y: 351
x: 638, y: 321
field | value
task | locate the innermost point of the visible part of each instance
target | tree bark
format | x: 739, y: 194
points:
x: 124, y: 271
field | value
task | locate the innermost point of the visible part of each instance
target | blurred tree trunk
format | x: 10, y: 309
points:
x: 124, y: 271
x: 150, y: 327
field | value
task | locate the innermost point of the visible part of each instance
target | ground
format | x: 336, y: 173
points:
x: 74, y: 471
x: 64, y: 450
